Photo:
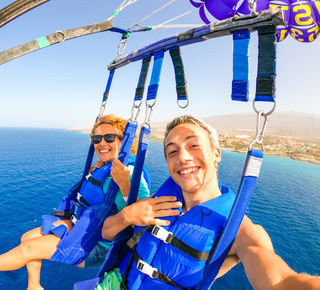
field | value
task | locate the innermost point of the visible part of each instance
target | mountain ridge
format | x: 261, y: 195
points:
x: 287, y: 124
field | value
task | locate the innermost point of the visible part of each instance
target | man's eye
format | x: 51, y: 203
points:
x: 172, y: 152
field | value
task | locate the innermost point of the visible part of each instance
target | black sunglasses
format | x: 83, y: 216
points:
x: 109, y: 138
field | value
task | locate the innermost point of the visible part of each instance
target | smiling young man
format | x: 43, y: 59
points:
x: 192, y: 152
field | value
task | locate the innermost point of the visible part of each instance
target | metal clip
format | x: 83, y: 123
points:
x: 121, y: 47
x: 260, y: 133
x: 146, y: 268
x: 149, y: 111
x: 133, y: 118
x: 161, y: 233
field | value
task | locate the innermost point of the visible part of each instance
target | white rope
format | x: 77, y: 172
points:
x: 307, y: 12
x: 176, y: 26
x: 122, y: 6
x: 156, y: 11
x: 174, y: 18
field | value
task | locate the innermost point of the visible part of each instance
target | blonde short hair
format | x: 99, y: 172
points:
x: 212, y: 133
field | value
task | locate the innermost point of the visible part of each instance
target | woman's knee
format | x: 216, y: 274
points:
x: 26, y: 248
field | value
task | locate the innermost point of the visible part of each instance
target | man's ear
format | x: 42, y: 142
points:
x: 217, y: 155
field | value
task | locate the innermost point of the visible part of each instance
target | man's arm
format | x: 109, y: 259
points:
x: 265, y: 269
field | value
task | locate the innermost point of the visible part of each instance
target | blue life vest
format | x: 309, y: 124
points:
x: 77, y: 201
x: 175, y: 255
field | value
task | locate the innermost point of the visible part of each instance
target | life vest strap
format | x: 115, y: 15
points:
x: 92, y: 180
x: 61, y: 213
x: 82, y: 199
x: 167, y: 237
x: 153, y: 272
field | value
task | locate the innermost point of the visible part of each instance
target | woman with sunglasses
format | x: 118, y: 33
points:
x: 35, y: 246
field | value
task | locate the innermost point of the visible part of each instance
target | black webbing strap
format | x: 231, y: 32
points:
x: 61, y: 213
x: 181, y: 83
x: 94, y: 181
x: 142, y: 78
x: 82, y: 199
x: 18, y: 8
x: 265, y: 90
x: 154, y: 273
x: 59, y: 36
x: 170, y: 239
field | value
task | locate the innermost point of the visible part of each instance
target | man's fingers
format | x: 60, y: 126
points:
x: 164, y: 213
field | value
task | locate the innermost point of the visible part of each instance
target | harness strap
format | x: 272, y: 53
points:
x: 240, y: 82
x: 17, y: 8
x: 155, y: 76
x: 107, y: 90
x: 56, y: 37
x: 249, y: 176
x: 266, y: 78
x: 181, y: 83
x: 142, y: 78
x: 167, y: 237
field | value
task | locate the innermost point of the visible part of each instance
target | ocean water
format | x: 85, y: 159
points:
x: 38, y: 166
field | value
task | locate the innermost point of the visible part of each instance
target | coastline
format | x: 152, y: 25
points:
x: 273, y: 145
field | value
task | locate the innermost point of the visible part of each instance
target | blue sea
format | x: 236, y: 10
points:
x: 38, y: 166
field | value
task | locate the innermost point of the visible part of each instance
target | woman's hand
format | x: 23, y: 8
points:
x: 98, y: 164
x: 121, y: 176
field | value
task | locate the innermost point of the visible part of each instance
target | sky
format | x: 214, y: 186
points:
x: 61, y: 86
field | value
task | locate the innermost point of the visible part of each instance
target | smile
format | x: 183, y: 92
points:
x: 188, y: 171
x: 104, y: 151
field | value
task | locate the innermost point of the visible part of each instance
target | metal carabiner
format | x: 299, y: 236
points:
x: 149, y: 111
x: 123, y: 42
x: 260, y: 133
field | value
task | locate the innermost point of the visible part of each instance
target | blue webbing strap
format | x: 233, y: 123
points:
x: 88, y: 162
x: 91, y: 148
x: 266, y: 78
x: 119, y: 247
x: 106, y: 92
x: 138, y: 166
x: 87, y: 231
x: 181, y: 83
x: 155, y: 76
x: 142, y: 78
x: 240, y: 82
x: 249, y: 176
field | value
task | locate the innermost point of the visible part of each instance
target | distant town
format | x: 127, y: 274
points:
x: 272, y: 145
x: 292, y: 147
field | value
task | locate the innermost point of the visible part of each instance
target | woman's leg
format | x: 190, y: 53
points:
x: 33, y: 248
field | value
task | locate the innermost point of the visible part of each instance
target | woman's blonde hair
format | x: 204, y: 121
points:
x: 119, y: 125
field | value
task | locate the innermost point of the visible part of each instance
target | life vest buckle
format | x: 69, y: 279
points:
x: 73, y: 219
x: 88, y: 176
x: 145, y: 268
x: 161, y: 233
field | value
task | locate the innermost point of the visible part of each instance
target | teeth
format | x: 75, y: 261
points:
x: 187, y: 171
x: 104, y: 151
